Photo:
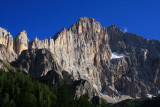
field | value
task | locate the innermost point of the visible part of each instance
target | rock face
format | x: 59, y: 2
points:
x: 6, y: 46
x: 7, y: 55
x: 41, y: 64
x: 14, y: 46
x: 6, y: 67
x: 106, y: 59
x: 79, y: 51
x: 21, y: 42
x: 6, y: 39
x: 41, y: 44
x: 136, y: 74
x: 36, y: 63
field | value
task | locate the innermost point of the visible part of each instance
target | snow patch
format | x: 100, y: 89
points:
x: 150, y: 96
x: 117, y: 56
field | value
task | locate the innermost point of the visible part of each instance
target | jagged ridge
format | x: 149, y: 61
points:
x: 86, y: 49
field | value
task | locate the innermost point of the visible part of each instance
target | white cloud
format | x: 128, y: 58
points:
x: 125, y: 29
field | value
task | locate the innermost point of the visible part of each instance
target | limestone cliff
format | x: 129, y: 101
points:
x: 40, y: 44
x: 21, y: 42
x: 16, y: 45
x: 112, y: 62
x: 6, y: 39
x: 6, y: 46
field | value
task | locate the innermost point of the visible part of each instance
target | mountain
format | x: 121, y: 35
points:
x: 18, y: 89
x: 6, y: 46
x: 107, y: 62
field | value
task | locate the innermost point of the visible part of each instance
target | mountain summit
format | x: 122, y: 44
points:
x: 115, y: 65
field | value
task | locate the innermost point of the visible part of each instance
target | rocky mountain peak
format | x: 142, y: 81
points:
x: 22, y: 35
x: 24, y: 31
x: 36, y: 39
x: 21, y: 42
x: 6, y: 39
x: 114, y: 63
x: 86, y: 19
x: 86, y: 25
x: 114, y: 28
x: 6, y: 46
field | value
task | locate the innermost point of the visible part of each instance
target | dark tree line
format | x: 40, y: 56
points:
x: 20, y: 90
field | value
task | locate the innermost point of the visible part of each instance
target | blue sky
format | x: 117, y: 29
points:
x: 43, y: 18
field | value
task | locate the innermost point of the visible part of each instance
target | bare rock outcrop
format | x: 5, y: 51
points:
x: 36, y: 62
x: 41, y: 44
x: 6, y: 46
x: 107, y: 59
x: 7, y: 55
x: 79, y: 51
x: 6, y: 39
x: 137, y: 73
x: 41, y: 64
x: 21, y: 42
